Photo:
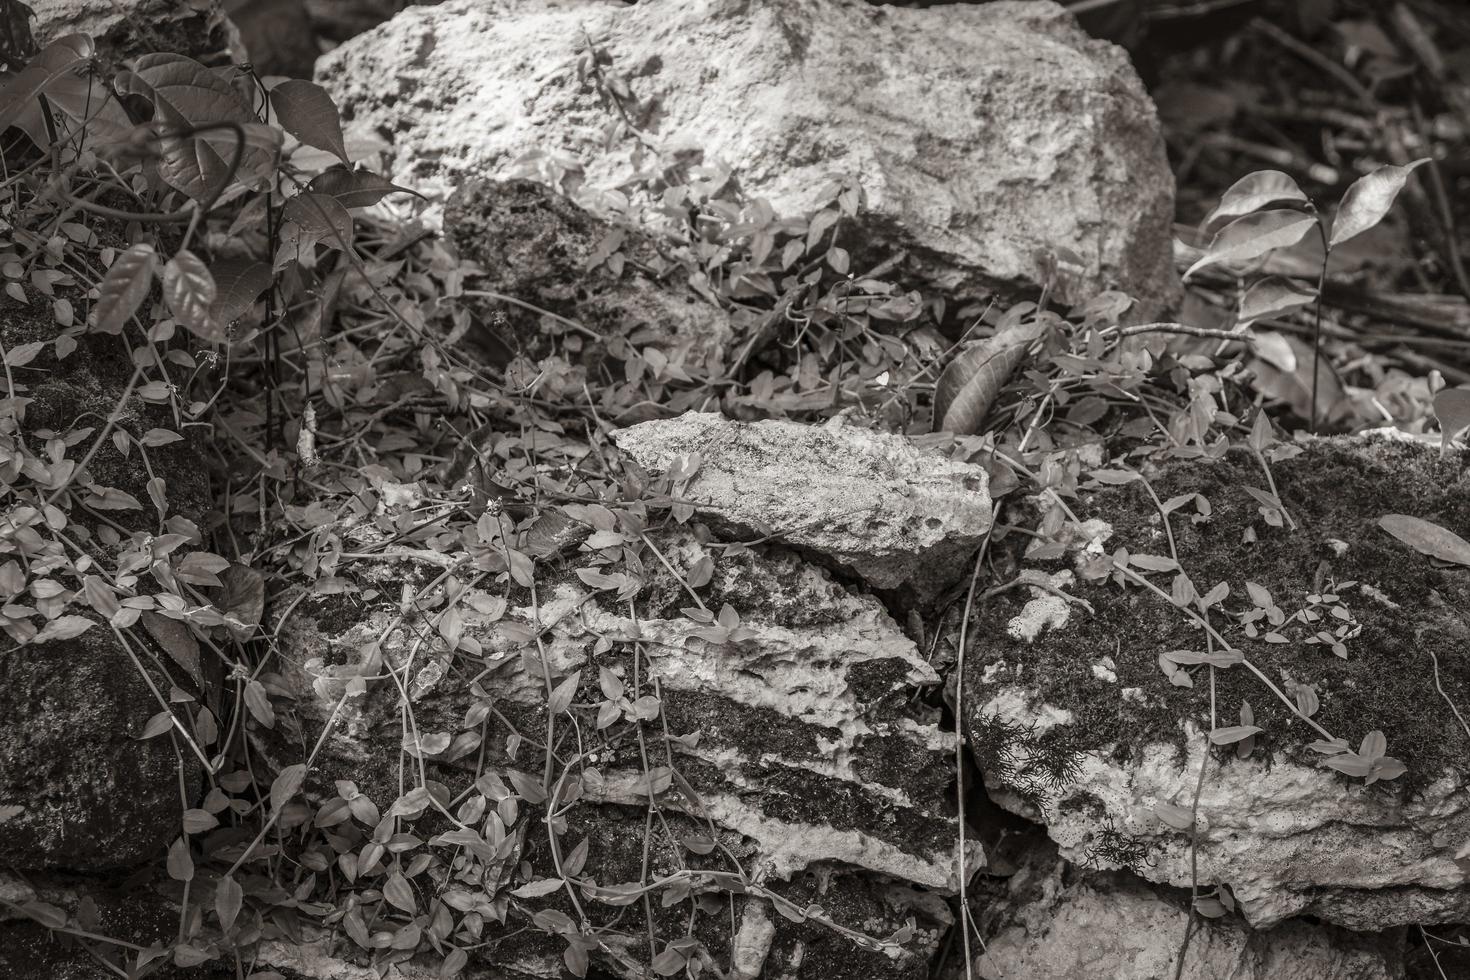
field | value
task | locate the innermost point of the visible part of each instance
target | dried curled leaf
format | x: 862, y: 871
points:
x: 1427, y: 538
x: 970, y: 384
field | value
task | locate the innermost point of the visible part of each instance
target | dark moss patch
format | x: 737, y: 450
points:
x: 96, y: 797
x: 1337, y: 491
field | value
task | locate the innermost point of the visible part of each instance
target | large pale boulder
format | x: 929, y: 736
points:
x: 986, y: 136
x: 868, y: 501
x: 1076, y: 725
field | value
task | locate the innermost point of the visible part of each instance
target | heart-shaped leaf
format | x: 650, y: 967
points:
x: 355, y: 188
x: 1254, y: 191
x: 54, y: 61
x: 238, y: 283
x: 1254, y: 235
x: 1368, y: 200
x: 308, y: 113
x: 321, y: 218
x: 1427, y: 538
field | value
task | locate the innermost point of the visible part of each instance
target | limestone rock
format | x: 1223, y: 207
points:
x: 1082, y: 730
x: 868, y: 501
x: 277, y: 35
x: 532, y: 244
x: 985, y: 135
x: 794, y: 741
x: 1052, y: 922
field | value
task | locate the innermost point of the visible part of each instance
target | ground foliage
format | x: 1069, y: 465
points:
x: 274, y: 315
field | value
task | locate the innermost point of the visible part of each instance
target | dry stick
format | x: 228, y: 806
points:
x: 1183, y: 328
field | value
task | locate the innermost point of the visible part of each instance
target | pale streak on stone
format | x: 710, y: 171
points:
x: 753, y: 939
x: 788, y: 847
x: 1044, y: 609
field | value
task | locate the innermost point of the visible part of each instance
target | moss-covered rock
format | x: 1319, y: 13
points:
x: 1082, y: 728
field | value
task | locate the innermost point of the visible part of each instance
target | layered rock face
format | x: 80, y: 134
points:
x: 1076, y: 724
x: 784, y: 737
x: 987, y: 137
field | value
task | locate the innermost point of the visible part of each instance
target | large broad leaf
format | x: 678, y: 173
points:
x: 59, y: 57
x: 307, y: 112
x: 1254, y: 235
x: 238, y: 284
x: 125, y: 287
x: 185, y: 95
x: 969, y: 385
x: 85, y: 114
x: 322, y: 219
x: 1427, y: 538
x: 1452, y: 408
x: 189, y: 291
x: 1254, y: 191
x: 1368, y: 200
x: 355, y: 188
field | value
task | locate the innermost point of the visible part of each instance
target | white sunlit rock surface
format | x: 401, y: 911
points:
x: 869, y: 501
x: 985, y: 135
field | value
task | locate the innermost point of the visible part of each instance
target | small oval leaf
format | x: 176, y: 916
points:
x: 1427, y: 538
x: 189, y: 290
x: 1254, y: 191
x: 125, y: 287
x: 1254, y: 235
